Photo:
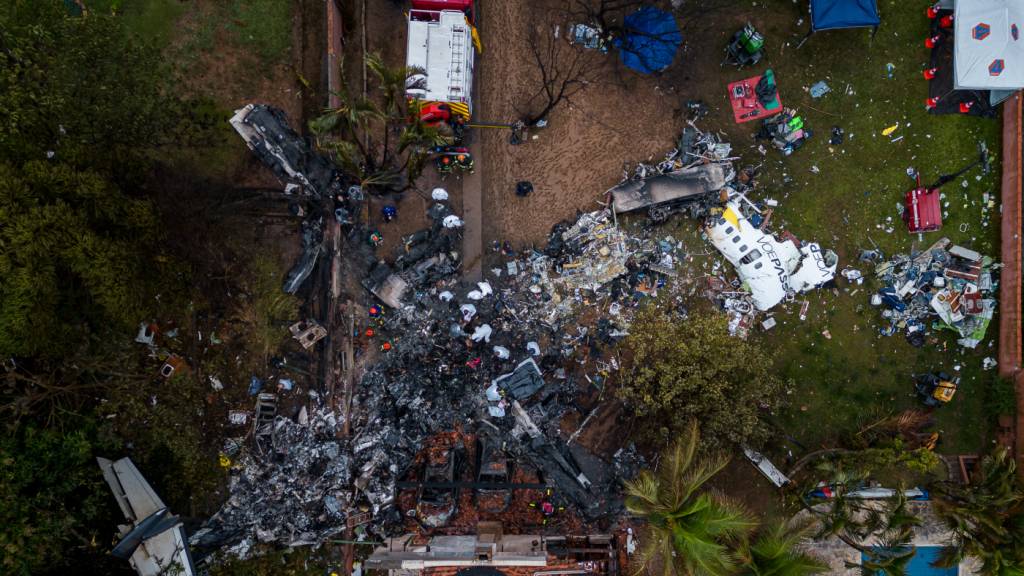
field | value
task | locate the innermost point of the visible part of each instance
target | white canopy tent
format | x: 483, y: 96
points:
x: 988, y: 46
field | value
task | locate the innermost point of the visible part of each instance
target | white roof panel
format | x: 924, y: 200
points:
x: 988, y: 47
x: 443, y: 50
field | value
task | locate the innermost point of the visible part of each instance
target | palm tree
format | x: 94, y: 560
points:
x: 856, y: 522
x: 985, y: 518
x: 378, y: 139
x: 894, y: 526
x: 690, y: 530
x: 774, y: 553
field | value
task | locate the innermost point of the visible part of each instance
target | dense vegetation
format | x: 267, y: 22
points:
x: 692, y: 369
x: 85, y: 110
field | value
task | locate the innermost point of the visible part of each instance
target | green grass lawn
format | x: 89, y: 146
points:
x: 261, y: 27
x: 847, y: 381
x: 251, y: 38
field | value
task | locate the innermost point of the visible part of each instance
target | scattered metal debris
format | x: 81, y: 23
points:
x: 950, y: 285
x: 307, y: 332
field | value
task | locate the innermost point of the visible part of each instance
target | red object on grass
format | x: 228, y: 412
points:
x: 922, y: 210
x: 932, y: 102
x: 933, y: 41
x: 965, y: 107
x: 930, y: 73
x: 932, y: 11
x: 745, y: 105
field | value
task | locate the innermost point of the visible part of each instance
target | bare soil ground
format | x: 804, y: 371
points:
x: 621, y: 118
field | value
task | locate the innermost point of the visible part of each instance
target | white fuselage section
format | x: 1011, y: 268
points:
x: 770, y: 268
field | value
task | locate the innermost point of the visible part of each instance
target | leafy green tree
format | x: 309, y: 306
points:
x: 85, y: 107
x: 55, y: 509
x: 83, y: 90
x: 690, y: 529
x: 74, y: 257
x: 985, y: 517
x: 378, y: 139
x: 693, y: 369
x: 774, y: 552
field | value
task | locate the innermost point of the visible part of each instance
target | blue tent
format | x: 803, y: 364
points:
x: 650, y: 41
x: 832, y: 14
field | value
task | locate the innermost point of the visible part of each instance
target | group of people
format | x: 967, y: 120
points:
x: 450, y: 158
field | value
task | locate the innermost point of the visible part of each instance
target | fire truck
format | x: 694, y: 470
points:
x: 441, y: 48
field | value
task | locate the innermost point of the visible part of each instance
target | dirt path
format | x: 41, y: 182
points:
x: 472, y: 214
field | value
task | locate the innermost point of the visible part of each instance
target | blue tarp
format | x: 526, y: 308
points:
x: 832, y: 14
x: 651, y: 40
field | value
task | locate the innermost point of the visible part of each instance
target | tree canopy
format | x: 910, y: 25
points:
x: 693, y: 530
x: 80, y: 90
x: 54, y: 507
x: 986, y: 517
x: 372, y: 137
x: 692, y: 369
x: 84, y: 106
x: 73, y: 256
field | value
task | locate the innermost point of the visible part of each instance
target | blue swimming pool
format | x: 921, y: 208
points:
x: 920, y: 564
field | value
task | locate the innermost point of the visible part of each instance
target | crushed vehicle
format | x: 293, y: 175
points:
x: 266, y: 131
x: 770, y: 268
x: 437, y: 499
x: 386, y: 285
x: 493, y: 474
x: 426, y: 256
x: 935, y: 389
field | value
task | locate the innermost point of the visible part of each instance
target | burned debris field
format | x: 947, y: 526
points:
x: 529, y: 287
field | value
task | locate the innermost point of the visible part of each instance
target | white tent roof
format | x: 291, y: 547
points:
x: 988, y: 46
